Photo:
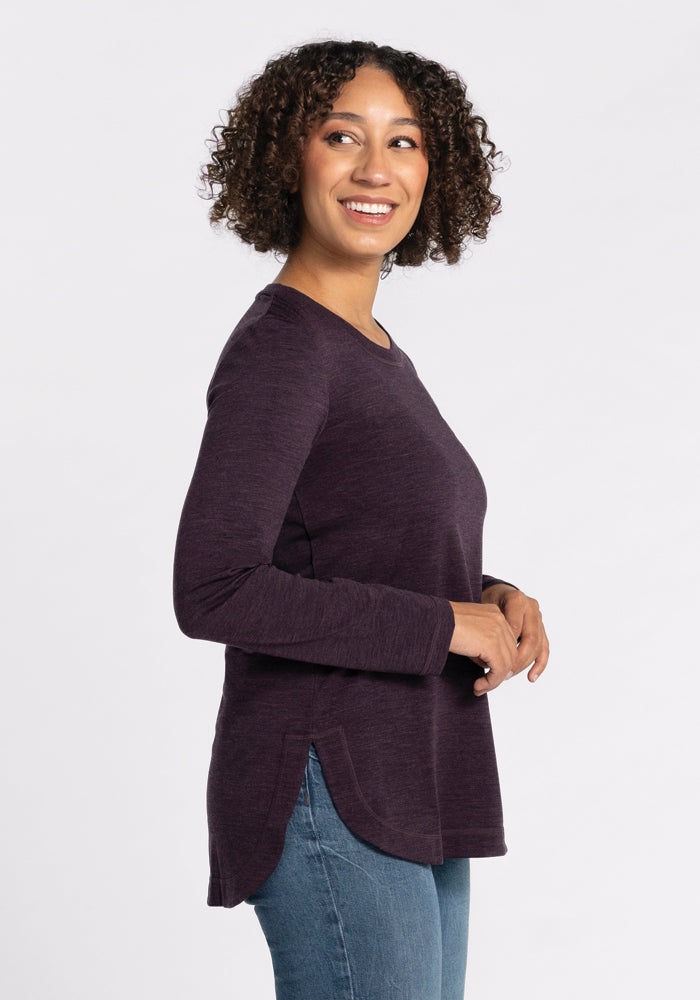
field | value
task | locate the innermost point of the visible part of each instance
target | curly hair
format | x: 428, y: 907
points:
x: 255, y: 157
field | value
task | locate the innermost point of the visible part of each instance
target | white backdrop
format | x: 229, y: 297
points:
x: 563, y: 354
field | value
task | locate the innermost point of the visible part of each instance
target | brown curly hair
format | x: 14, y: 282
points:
x: 256, y: 155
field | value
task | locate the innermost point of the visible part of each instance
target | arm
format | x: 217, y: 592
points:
x: 267, y: 404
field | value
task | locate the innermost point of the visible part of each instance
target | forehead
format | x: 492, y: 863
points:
x: 374, y: 91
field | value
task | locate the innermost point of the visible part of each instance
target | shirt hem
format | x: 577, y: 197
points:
x: 355, y: 812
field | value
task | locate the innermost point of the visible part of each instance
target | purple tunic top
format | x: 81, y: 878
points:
x: 331, y: 517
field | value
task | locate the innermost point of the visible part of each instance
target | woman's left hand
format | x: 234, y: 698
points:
x: 525, y: 619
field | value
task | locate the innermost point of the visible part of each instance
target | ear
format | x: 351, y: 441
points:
x: 294, y: 186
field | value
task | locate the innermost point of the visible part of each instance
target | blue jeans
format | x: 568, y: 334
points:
x: 346, y: 921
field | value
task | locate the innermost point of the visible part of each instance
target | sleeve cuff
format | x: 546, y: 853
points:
x: 488, y: 581
x: 442, y: 637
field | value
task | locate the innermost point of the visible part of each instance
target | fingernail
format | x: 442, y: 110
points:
x: 534, y: 677
x: 509, y: 675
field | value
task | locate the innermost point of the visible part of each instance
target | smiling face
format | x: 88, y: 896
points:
x: 363, y: 171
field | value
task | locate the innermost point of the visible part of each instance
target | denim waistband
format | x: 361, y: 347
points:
x: 312, y: 752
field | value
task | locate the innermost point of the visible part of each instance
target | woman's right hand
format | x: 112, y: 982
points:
x: 483, y: 634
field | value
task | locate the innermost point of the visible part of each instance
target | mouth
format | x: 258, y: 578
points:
x: 373, y: 212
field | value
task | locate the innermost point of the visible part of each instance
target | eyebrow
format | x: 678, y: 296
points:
x: 349, y: 116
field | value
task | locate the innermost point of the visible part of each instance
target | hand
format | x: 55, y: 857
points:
x: 483, y: 633
x: 522, y: 614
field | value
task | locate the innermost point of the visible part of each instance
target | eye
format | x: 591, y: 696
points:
x: 339, y: 138
x: 406, y: 142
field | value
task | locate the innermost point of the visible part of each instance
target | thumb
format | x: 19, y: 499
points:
x: 488, y: 682
x: 483, y: 684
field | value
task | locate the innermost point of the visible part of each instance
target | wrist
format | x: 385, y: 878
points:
x: 493, y: 593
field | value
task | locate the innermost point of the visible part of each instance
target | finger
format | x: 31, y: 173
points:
x: 500, y: 666
x: 514, y: 614
x: 497, y: 653
x: 528, y: 650
x: 531, y: 640
x: 540, y: 663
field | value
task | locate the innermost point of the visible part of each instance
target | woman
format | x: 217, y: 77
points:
x: 331, y: 538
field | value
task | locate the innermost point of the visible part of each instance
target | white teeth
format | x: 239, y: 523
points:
x: 368, y: 209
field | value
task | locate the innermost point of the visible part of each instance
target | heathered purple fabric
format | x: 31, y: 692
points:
x: 331, y: 517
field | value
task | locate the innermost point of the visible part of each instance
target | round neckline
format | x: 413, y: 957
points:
x: 392, y: 355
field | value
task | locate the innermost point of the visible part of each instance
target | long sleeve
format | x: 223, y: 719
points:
x: 267, y: 407
x: 331, y: 517
x: 488, y: 581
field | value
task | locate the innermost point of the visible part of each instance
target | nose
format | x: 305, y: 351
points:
x: 372, y: 166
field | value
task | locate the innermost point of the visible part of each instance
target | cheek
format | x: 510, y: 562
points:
x: 315, y: 167
x: 419, y: 182
x: 307, y: 171
x: 417, y: 178
x: 424, y: 175
x: 315, y: 181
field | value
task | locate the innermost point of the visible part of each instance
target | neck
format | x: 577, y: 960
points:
x: 347, y: 288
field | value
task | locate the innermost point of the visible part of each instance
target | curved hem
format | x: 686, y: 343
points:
x: 331, y: 746
x: 421, y: 847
